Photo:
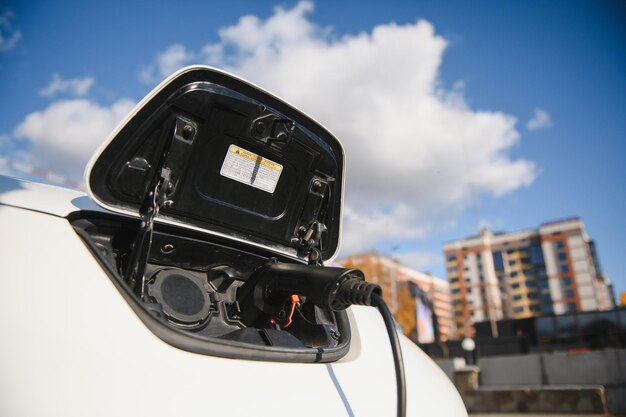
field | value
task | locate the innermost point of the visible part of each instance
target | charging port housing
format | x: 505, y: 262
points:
x: 191, y: 296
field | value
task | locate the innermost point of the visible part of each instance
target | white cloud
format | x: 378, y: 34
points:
x: 540, y: 120
x: 5, y: 140
x: 166, y: 62
x: 9, y: 36
x: 74, y: 86
x: 371, y: 224
x: 65, y: 134
x: 415, y: 150
x: 420, y: 260
x: 250, y: 38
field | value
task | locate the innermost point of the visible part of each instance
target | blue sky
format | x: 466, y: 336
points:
x: 455, y: 78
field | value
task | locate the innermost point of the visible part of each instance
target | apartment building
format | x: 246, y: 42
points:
x: 553, y: 269
x: 403, y: 288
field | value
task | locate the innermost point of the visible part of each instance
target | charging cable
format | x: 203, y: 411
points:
x: 329, y: 288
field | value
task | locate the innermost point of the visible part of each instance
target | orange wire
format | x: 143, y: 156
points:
x: 294, y: 300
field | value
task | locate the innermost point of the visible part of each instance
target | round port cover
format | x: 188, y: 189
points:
x: 181, y: 295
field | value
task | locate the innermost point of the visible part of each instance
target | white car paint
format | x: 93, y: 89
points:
x: 72, y: 346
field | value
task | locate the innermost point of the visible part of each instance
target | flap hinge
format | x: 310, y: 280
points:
x: 136, y: 266
x: 308, y: 234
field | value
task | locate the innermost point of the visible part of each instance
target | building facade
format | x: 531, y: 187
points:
x: 409, y: 293
x: 550, y: 270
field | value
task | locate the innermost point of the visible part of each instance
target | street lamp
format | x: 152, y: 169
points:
x: 469, y: 346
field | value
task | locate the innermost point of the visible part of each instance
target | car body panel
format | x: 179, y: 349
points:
x: 45, y: 198
x: 72, y: 346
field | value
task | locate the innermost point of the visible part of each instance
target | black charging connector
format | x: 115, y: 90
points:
x: 334, y: 289
x: 264, y: 294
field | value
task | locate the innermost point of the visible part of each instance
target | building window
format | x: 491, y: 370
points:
x: 498, y: 262
x: 559, y: 244
x: 533, y: 295
x: 562, y: 256
x: 512, y: 262
x: 451, y: 258
x: 564, y: 269
x: 567, y: 281
x: 568, y: 293
x: 452, y: 269
x: 513, y: 274
x: 469, y: 290
x: 535, y: 308
x: 518, y: 309
x: 571, y: 307
x: 515, y: 286
x: 517, y: 297
x: 456, y: 290
x: 543, y: 284
x: 528, y: 272
x: 531, y: 283
x: 546, y: 298
x: 536, y: 255
x: 454, y: 280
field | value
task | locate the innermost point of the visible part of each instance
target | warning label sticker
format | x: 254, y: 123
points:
x: 250, y: 168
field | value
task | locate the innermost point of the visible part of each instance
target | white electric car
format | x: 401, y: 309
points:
x: 190, y: 279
